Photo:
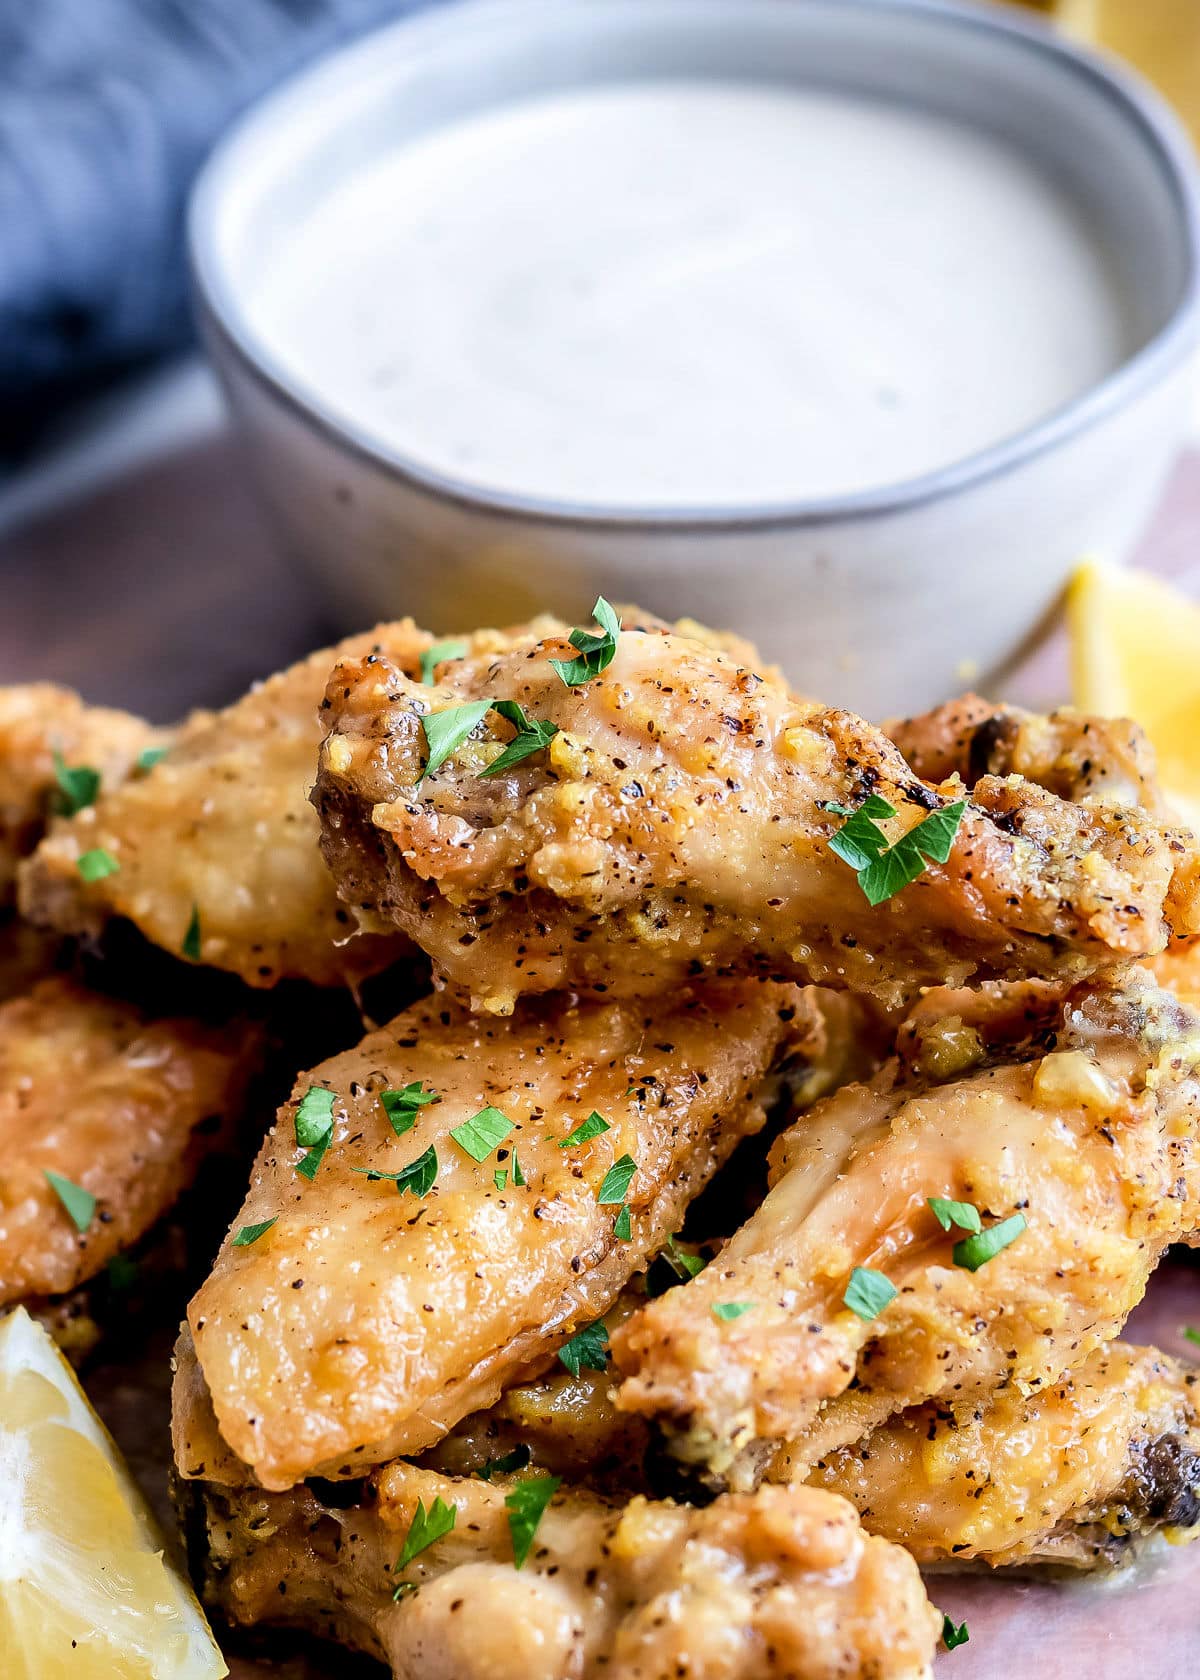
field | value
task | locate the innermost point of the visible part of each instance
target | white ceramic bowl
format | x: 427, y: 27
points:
x: 884, y: 600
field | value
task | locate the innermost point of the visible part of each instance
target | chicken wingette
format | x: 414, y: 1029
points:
x: 450, y: 1200
x: 674, y: 814
x: 1066, y: 1129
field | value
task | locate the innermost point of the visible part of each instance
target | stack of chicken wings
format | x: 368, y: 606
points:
x: 786, y: 1115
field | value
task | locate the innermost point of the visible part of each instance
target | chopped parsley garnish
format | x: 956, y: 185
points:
x: 251, y: 1233
x: 953, y: 1636
x: 727, y: 1311
x: 150, y: 756
x: 595, y: 652
x: 593, y: 1126
x: 122, y: 1273
x: 532, y: 735
x: 883, y: 869
x: 96, y: 864
x: 588, y: 1346
x: 436, y: 652
x: 79, y: 1203
x: 482, y: 1133
x: 78, y: 785
x: 1191, y: 1335
x: 419, y: 1176
x: 517, y: 1459
x: 426, y: 1528
x: 526, y: 1505
x: 191, y: 939
x: 446, y: 731
x: 500, y: 1178
x: 623, y: 1224
x: 518, y: 1175
x: 402, y: 1107
x: 617, y: 1181
x: 868, y: 1292
x: 685, y: 1264
x: 314, y: 1128
x: 947, y: 1213
x: 975, y: 1251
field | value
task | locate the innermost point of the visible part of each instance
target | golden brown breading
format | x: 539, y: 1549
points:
x: 1079, y: 1475
x: 366, y: 1322
x: 678, y: 822
x: 1072, y: 754
x: 778, y: 1585
x: 114, y: 1102
x: 37, y: 720
x: 222, y: 827
x: 1089, y: 1132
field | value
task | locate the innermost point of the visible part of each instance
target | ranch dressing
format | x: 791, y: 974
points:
x: 698, y: 294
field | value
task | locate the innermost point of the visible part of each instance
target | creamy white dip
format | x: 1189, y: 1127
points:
x: 693, y: 293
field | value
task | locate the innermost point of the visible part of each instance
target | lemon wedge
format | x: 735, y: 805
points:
x: 85, y: 1590
x: 1135, y: 652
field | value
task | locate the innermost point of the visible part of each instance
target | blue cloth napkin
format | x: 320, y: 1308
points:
x: 107, y: 109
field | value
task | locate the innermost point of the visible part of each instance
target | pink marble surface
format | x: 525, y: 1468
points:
x: 163, y: 590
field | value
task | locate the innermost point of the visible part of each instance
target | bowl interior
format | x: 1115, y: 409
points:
x: 1116, y: 153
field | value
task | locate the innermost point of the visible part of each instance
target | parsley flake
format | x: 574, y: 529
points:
x: 617, y: 1181
x: 122, y: 1273
x: 150, y: 756
x: 1190, y: 1335
x: 883, y: 868
x: 419, y: 1176
x: 482, y: 1133
x: 532, y: 735
x: 727, y: 1311
x: 596, y: 653
x: 588, y: 1346
x: 96, y: 864
x: 623, y: 1224
x: 426, y: 1528
x: 402, y: 1107
x: 517, y: 1459
x: 191, y: 939
x: 868, y: 1292
x: 79, y: 1203
x: 975, y: 1251
x: 437, y: 652
x: 518, y: 1175
x: 446, y: 731
x: 953, y: 1636
x: 526, y: 1505
x: 314, y: 1128
x: 78, y: 785
x: 685, y: 1264
x: 593, y: 1126
x: 251, y: 1233
x: 500, y: 1178
x: 947, y: 1213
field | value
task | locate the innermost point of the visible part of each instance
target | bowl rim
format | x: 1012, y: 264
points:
x: 1133, y: 99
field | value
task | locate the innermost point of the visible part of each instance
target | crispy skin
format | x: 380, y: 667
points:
x: 1079, y: 1476
x: 366, y: 1323
x: 222, y: 824
x: 1096, y: 1141
x: 37, y: 719
x: 677, y: 823
x: 782, y: 1583
x: 122, y: 1105
x: 1072, y: 754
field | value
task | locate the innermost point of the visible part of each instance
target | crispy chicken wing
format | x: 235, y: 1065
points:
x: 782, y: 1583
x: 120, y: 1105
x: 1080, y: 1474
x: 1072, y: 754
x: 1080, y: 1118
x: 38, y: 720
x: 370, y: 1318
x: 221, y: 829
x: 678, y: 822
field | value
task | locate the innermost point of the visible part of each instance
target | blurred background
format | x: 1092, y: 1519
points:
x: 127, y: 518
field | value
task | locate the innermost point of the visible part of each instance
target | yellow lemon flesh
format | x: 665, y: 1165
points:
x: 1135, y: 652
x: 85, y: 1591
